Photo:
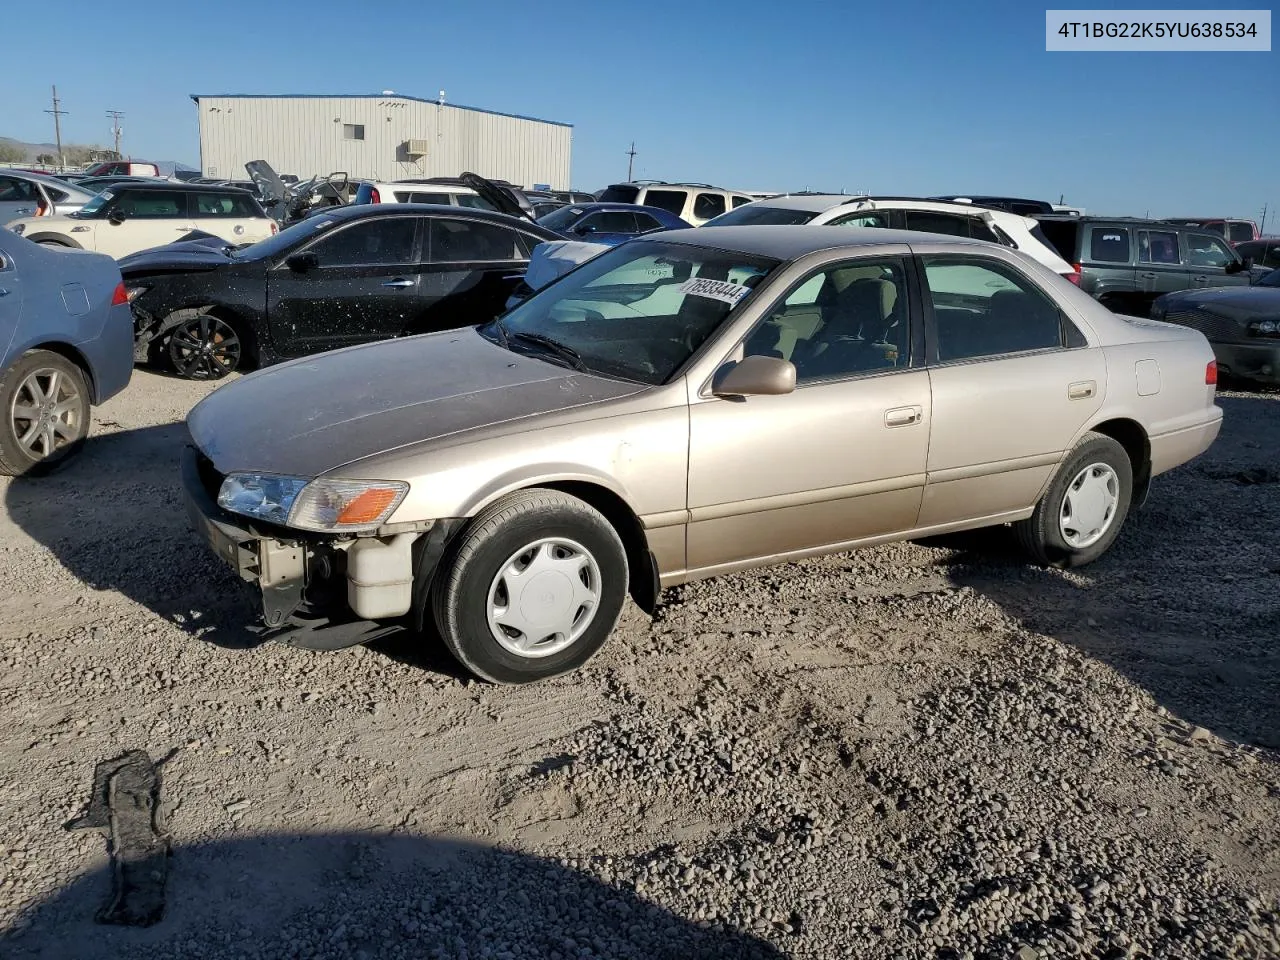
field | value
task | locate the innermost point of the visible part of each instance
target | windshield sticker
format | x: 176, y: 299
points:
x: 722, y: 290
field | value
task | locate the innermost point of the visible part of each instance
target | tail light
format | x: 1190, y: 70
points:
x: 120, y: 297
x: 1211, y: 373
x: 1074, y: 275
x: 374, y: 196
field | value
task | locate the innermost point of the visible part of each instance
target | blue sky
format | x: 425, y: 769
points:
x: 912, y: 98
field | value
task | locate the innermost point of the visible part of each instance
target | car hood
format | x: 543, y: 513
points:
x: 1230, y: 301
x: 312, y: 416
x: 184, y: 255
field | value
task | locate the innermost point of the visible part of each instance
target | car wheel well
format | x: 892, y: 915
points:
x: 1130, y: 435
x: 54, y: 240
x: 75, y: 356
x: 644, y: 587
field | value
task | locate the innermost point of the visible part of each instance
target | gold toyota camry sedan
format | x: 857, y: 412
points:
x: 681, y: 407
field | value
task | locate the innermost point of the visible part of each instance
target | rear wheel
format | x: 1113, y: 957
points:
x: 202, y: 346
x: 45, y: 402
x: 532, y: 588
x: 1081, y: 514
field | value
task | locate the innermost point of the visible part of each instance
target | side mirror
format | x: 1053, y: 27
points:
x: 302, y: 262
x: 755, y: 376
x: 116, y: 217
x: 1235, y: 266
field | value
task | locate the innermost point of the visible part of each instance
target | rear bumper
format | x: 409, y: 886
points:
x: 1169, y: 450
x: 1249, y: 361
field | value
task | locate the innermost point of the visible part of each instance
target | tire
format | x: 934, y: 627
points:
x: 1064, y: 535
x: 535, y: 527
x: 202, y: 345
x: 54, y: 390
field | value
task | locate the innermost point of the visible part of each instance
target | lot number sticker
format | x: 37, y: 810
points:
x: 722, y: 290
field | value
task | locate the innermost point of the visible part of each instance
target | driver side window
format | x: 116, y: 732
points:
x: 843, y: 321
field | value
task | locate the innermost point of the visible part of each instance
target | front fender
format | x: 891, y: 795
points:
x: 539, y: 475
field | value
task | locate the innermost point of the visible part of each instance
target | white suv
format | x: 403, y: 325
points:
x: 450, y: 194
x: 133, y: 216
x: 694, y: 203
x: 906, y: 213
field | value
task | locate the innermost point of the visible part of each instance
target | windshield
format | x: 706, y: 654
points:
x: 637, y: 312
x: 286, y: 239
x: 97, y: 203
x: 561, y: 219
x: 771, y: 216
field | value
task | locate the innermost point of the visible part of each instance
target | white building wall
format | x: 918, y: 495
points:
x: 304, y: 136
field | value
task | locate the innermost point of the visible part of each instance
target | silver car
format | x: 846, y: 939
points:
x: 66, y: 342
x: 36, y: 195
x: 680, y: 407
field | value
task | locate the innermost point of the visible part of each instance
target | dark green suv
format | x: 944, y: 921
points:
x: 1126, y: 263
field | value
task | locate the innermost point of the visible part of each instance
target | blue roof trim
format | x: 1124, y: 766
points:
x: 197, y: 97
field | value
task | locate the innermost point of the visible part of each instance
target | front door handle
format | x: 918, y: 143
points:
x: 903, y: 416
x: 398, y: 282
x: 1148, y: 276
x: 1082, y: 390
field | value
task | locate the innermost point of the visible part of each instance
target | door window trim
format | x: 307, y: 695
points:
x: 1066, y: 326
x: 915, y: 330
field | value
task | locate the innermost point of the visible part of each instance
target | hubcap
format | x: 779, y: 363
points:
x: 1089, y: 506
x: 544, y: 597
x: 204, y: 348
x: 45, y: 414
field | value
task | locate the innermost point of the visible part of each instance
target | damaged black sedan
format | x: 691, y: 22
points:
x: 346, y: 276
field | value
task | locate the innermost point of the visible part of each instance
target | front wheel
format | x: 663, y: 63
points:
x: 1080, y: 515
x: 45, y: 402
x: 203, y: 346
x: 532, y: 588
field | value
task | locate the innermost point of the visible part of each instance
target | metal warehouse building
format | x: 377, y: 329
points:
x: 386, y: 137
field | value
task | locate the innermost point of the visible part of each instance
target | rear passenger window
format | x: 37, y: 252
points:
x: 1158, y: 246
x: 612, y: 221
x: 863, y: 220
x: 1239, y: 232
x: 672, y: 201
x: 979, y: 230
x: 937, y: 223
x: 739, y: 201
x: 708, y: 205
x: 645, y: 223
x: 474, y: 201
x: 1109, y: 245
x: 224, y: 205
x: 462, y: 241
x: 986, y: 309
x: 420, y: 197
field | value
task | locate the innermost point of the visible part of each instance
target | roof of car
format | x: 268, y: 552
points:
x: 355, y: 211
x: 41, y: 177
x: 180, y: 186
x: 791, y: 242
x: 1098, y: 218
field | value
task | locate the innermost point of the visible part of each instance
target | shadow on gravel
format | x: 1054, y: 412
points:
x: 1187, y: 602
x: 114, y: 518
x: 357, y: 895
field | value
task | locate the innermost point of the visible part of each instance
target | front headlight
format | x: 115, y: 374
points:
x: 19, y: 228
x: 262, y: 496
x: 136, y: 291
x: 323, y: 505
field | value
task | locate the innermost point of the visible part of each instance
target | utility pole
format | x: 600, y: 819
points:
x: 631, y: 159
x: 58, y: 114
x: 115, y: 116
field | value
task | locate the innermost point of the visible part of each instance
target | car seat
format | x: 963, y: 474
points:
x: 855, y: 325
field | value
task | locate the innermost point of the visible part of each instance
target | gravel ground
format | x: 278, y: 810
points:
x: 913, y: 751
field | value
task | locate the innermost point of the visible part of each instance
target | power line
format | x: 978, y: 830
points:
x: 115, y: 116
x: 58, y: 114
x: 631, y: 159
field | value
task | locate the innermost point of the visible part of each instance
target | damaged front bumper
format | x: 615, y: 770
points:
x: 317, y: 592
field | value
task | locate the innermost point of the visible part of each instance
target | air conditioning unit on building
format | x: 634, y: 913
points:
x: 416, y: 148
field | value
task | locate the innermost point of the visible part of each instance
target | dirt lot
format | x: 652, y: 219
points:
x: 908, y: 752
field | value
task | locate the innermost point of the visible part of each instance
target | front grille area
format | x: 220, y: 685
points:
x: 1211, y: 325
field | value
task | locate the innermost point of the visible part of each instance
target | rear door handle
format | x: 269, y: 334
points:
x: 1148, y: 276
x: 398, y: 282
x: 902, y: 416
x: 1082, y: 390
